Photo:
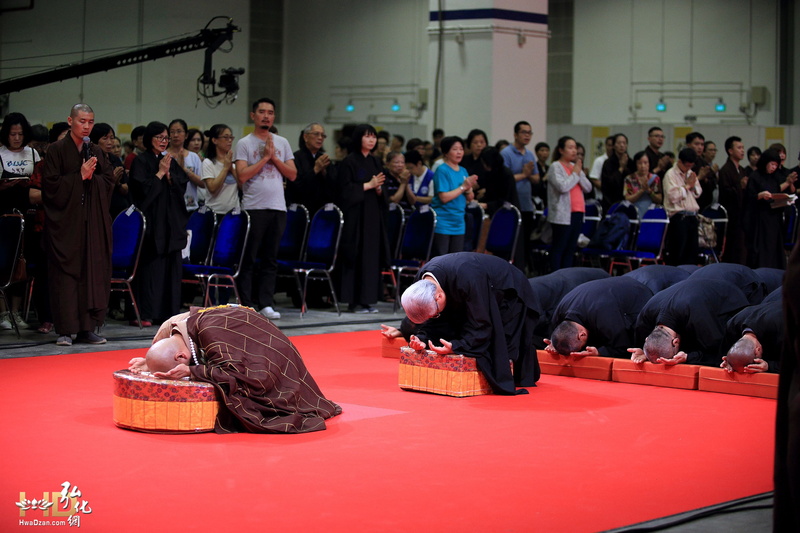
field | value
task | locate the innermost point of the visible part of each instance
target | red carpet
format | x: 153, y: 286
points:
x: 574, y: 455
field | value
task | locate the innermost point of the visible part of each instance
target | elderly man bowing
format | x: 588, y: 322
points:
x: 488, y: 307
x: 260, y: 378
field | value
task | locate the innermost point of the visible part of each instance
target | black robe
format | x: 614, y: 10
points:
x: 612, y: 180
x: 77, y: 236
x: 608, y: 309
x: 364, y: 247
x: 158, y: 287
x: 310, y: 189
x: 731, y: 196
x: 658, y: 277
x: 771, y: 277
x: 786, y: 506
x: 492, y: 313
x: 551, y: 288
x: 745, y: 278
x: 263, y: 382
x: 766, y: 321
x: 696, y: 309
x: 763, y: 224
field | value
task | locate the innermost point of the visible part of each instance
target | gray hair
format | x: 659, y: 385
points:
x: 419, y: 301
x: 307, y: 129
x: 659, y: 344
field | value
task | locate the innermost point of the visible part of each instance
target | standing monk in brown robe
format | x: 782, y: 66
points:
x: 261, y: 380
x: 77, y: 183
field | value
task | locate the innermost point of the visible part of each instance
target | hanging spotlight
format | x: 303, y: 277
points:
x: 350, y: 107
x: 720, y: 107
x: 396, y: 106
x: 661, y: 106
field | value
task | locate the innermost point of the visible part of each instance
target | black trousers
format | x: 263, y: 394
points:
x: 682, y: 247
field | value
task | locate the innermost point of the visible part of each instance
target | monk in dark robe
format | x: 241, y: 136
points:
x: 260, y: 378
x: 743, y: 277
x: 77, y: 183
x: 489, y: 307
x: 786, y: 507
x: 755, y: 335
x: 658, y: 277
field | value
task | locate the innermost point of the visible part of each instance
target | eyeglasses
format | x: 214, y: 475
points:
x: 318, y: 134
x: 438, y: 311
x: 526, y: 132
x: 226, y: 137
x: 161, y: 138
x: 176, y: 132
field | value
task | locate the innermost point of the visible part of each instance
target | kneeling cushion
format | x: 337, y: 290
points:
x: 450, y: 375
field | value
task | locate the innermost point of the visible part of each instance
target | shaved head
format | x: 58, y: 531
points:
x: 660, y: 343
x: 742, y: 353
x: 566, y: 338
x: 161, y: 357
x: 80, y: 108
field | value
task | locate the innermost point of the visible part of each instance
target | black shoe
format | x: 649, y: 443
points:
x: 89, y: 337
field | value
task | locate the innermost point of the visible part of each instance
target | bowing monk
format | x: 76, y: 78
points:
x: 260, y: 378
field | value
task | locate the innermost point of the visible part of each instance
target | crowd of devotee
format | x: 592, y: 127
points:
x: 72, y: 180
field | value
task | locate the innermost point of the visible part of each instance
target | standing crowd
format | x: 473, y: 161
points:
x: 71, y: 182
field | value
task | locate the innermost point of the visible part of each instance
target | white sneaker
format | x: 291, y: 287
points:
x: 5, y: 321
x: 20, y: 323
x: 269, y: 312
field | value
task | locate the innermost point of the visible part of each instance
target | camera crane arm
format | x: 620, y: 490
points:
x: 208, y: 39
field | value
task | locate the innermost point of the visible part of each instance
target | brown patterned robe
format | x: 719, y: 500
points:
x: 262, y: 381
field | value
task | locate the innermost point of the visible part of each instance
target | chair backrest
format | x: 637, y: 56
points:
x: 631, y: 212
x: 474, y: 215
x: 719, y: 215
x: 324, y: 235
x: 231, y: 240
x: 504, y: 232
x: 652, y: 231
x: 395, y: 220
x: 591, y: 218
x: 202, y: 224
x: 12, y: 228
x: 418, y: 235
x: 293, y: 240
x: 128, y: 233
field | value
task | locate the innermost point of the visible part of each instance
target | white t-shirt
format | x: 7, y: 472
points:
x: 226, y: 198
x: 193, y: 163
x: 20, y: 163
x: 265, y: 189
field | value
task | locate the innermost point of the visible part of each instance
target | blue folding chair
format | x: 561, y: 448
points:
x: 416, y: 246
x: 474, y: 215
x: 293, y: 241
x: 790, y: 227
x: 128, y: 231
x: 201, y: 226
x: 320, y: 255
x: 649, y: 247
x: 503, y: 232
x: 591, y: 218
x: 226, y: 256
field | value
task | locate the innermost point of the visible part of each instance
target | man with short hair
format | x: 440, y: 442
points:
x: 697, y: 142
x: 732, y: 183
x: 755, y: 337
x: 137, y: 138
x: 522, y: 164
x: 314, y: 185
x: 398, y: 141
x: 261, y: 379
x: 487, y: 306
x: 681, y: 190
x: 596, y: 173
x: 263, y: 160
x: 597, y: 318
x: 659, y: 162
x: 685, y: 323
x: 77, y: 182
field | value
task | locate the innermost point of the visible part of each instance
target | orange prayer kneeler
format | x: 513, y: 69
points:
x: 391, y: 347
x: 589, y: 367
x: 675, y: 376
x: 450, y: 375
x: 153, y: 405
x: 762, y: 385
